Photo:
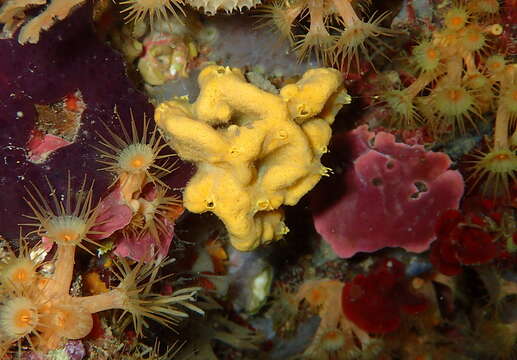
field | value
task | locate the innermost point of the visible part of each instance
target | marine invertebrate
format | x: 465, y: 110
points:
x: 210, y: 7
x: 336, y: 334
x: 138, y: 163
x: 141, y: 351
x: 166, y: 57
x: 460, y: 243
x: 336, y: 34
x: 41, y: 310
x: 12, y: 15
x: 151, y: 229
x: 67, y: 224
x: 156, y: 206
x: 34, y: 74
x: 152, y: 10
x: 410, y: 186
x: 376, y: 301
x: 113, y: 214
x: 459, y: 91
x: 498, y: 166
x: 254, y: 150
x: 57, y: 126
x: 133, y: 156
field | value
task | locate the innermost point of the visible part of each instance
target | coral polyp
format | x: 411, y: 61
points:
x: 454, y: 104
x: 151, y: 10
x: 43, y: 313
x: 67, y: 224
x: 135, y: 157
x: 279, y: 19
x: 155, y: 213
x: 20, y: 271
x: 427, y: 56
x: 498, y: 168
x: 359, y: 38
x: 135, y: 292
x: 456, y: 18
x: 18, y: 317
x: 336, y: 34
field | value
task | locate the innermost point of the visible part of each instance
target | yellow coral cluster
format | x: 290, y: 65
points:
x: 458, y: 82
x: 447, y: 60
x: 36, y: 306
x: 255, y: 151
x: 335, y: 334
x: 336, y: 34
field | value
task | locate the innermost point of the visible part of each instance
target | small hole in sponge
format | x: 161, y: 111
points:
x: 421, y: 188
x: 390, y: 165
x: 376, y: 181
x: 371, y: 141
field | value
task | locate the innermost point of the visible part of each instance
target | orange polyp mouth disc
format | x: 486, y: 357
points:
x: 137, y: 162
x: 456, y: 20
x: 455, y: 95
x: 69, y: 237
x: 23, y: 318
x: 21, y: 275
x: 502, y: 157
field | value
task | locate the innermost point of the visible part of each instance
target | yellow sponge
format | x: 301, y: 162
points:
x: 255, y: 151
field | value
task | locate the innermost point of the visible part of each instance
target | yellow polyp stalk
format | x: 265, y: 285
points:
x: 130, y: 184
x: 470, y: 63
x: 419, y: 84
x: 454, y: 69
x: 317, y: 37
x: 502, y: 120
x: 113, y: 299
x: 316, y: 10
x: 64, y: 269
x: 346, y: 12
x: 291, y: 13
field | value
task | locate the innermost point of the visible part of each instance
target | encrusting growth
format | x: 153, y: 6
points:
x: 12, y: 15
x: 210, y: 7
x: 255, y: 151
x: 37, y: 309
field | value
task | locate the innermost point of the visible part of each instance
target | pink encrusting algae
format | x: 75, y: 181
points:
x: 392, y: 194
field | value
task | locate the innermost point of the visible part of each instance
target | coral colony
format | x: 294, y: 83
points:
x: 246, y: 179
